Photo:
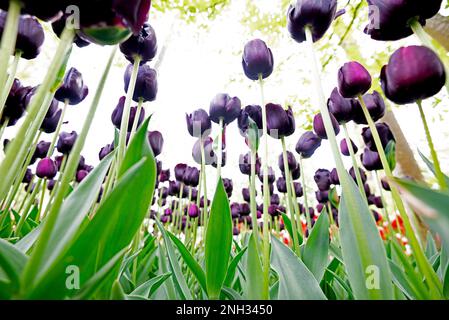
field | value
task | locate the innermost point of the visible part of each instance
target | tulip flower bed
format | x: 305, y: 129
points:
x: 130, y: 229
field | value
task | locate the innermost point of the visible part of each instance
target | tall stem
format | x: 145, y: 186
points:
x: 266, y: 196
x: 304, y: 188
x: 203, y: 170
x: 41, y: 202
x: 439, y: 174
x: 136, y: 118
x: 252, y: 195
x: 290, y: 202
x: 58, y: 130
x: 220, y: 147
x: 10, y: 81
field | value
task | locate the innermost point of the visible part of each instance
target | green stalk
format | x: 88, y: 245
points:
x: 252, y: 195
x: 439, y: 174
x: 10, y: 81
x: 41, y: 202
x: 290, y: 202
x: 136, y: 118
x: 69, y: 173
x: 28, y: 205
x: 203, y: 170
x: 304, y: 188
x: 126, y: 111
x: 220, y: 147
x: 3, y: 127
x: 266, y: 198
x: 421, y: 260
x: 354, y: 163
x: 9, y: 38
x: 24, y: 136
x: 58, y: 129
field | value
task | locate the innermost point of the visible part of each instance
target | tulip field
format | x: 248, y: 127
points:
x: 307, y: 184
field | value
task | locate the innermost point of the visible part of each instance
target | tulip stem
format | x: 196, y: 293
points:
x: 290, y: 202
x: 41, y: 202
x: 126, y: 112
x: 354, y: 163
x: 438, y: 173
x: 29, y: 202
x: 58, y: 129
x: 220, y: 147
x: 266, y: 197
x: 422, y: 262
x: 136, y: 118
x: 304, y: 188
x: 36, y: 113
x: 10, y: 81
x: 69, y: 173
x: 252, y: 195
x: 9, y: 38
x: 3, y: 127
x: 203, y: 170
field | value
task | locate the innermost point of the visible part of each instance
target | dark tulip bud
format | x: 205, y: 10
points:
x: 322, y: 179
x: 274, y: 199
x: 209, y: 155
x: 280, y: 122
x: 367, y: 190
x: 156, y: 142
x: 224, y: 107
x: 353, y: 80
x: 58, y: 27
x: 144, y: 45
x: 295, y: 173
x: 58, y: 161
x: 257, y: 60
x: 273, y: 210
x: 345, y: 149
x: 28, y: 176
x: 30, y: 35
x: 244, y: 209
x: 133, y: 12
x: 385, y: 184
x: 146, y: 83
x: 282, y: 209
x: 198, y: 123
x: 413, y: 73
x: 270, y: 188
x: 385, y: 135
x: 228, y: 185
x: 271, y: 175
x: 105, y: 151
x: 194, y: 194
x: 174, y: 188
x: 341, y: 108
x: 307, y: 144
x: 46, y: 168
x: 163, y: 192
x: 41, y: 150
x: 252, y: 112
x: 180, y: 169
x: 15, y: 104
x: 165, y: 219
x: 223, y: 160
x: 193, y: 211
x: 335, y: 180
x: 377, y: 201
x: 191, y: 176
x: 73, y: 90
x: 117, y: 115
x: 50, y: 123
x: 158, y: 167
x: 66, y: 142
x: 371, y: 160
x: 168, y: 212
x: 318, y: 126
x: 235, y: 210
x: 281, y: 185
x: 298, y: 189
x: 362, y: 174
x: 235, y: 231
x: 5, y: 144
x: 291, y: 160
x: 375, y: 105
x: 316, y: 15
x: 164, y: 175
x: 246, y: 194
x: 245, y: 163
x: 322, y: 196
x: 80, y: 175
x: 202, y: 202
x: 51, y: 185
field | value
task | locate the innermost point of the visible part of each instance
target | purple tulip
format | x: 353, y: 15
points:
x: 353, y: 80
x: 81, y: 175
x: 235, y: 210
x: 322, y: 179
x: 295, y: 173
x: 281, y: 185
x: 174, y: 188
x: 307, y: 144
x: 117, y: 115
x: 209, y: 155
x: 191, y: 176
x: 271, y: 175
x: 244, y: 209
x: 144, y: 45
x: 385, y: 184
x: 246, y: 194
x: 334, y: 179
x: 245, y: 164
x: 413, y: 73
x: 73, y: 90
x: 385, y: 135
x: 105, y: 151
x: 41, y: 150
x: 320, y: 130
x: 291, y: 160
x: 344, y: 148
x: 46, y: 168
x: 156, y: 141
x: 362, y: 174
x: 298, y: 189
x: 146, y: 83
x: 51, y: 121
x: 193, y: 211
x: 341, y: 108
x: 280, y: 122
x: 51, y: 185
x: 15, y: 105
x: 229, y: 186
x: 375, y: 105
x: 257, y: 60
x: 322, y: 196
x: 66, y: 141
x: 371, y: 160
x: 28, y: 176
x: 164, y: 175
x: 58, y: 27
x: 224, y: 107
x: 274, y: 199
x: 252, y: 112
x: 180, y: 169
x: 198, y: 123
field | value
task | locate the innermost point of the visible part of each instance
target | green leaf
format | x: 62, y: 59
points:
x: 178, y: 277
x: 147, y: 289
x: 254, y: 272
x: 117, y: 292
x: 12, y: 262
x: 233, y: 266
x: 231, y: 294
x: 431, y: 166
x: 288, y: 226
x: 296, y: 282
x: 253, y: 135
x: 431, y: 247
x: 190, y: 261
x: 363, y: 250
x: 218, y: 242
x: 390, y: 152
x: 316, y: 250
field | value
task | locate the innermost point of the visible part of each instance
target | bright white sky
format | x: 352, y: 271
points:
x: 199, y: 64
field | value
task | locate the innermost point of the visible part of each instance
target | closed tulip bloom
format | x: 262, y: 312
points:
x: 334, y: 179
x: 117, y: 115
x: 292, y: 163
x: 385, y: 184
x: 280, y: 122
x: 252, y: 112
x: 51, y: 185
x: 235, y: 210
x: 298, y: 189
x: 46, y: 168
x: 58, y: 27
x: 385, y: 135
x: 30, y: 35
x: 156, y: 141
x: 307, y: 144
x: 257, y: 60
x: 191, y: 176
x: 51, y: 121
x: 271, y: 175
x: 180, y: 169
x: 317, y: 15
x: 66, y: 141
x: 413, y: 73
x: 341, y: 108
x: 371, y: 160
x: 41, y: 150
x: 274, y: 199
x: 246, y: 194
x: 362, y: 174
x: 144, y: 45
x: 28, y: 176
x: 281, y: 185
x: 107, y: 149
x: 146, y: 83
x: 320, y: 130
x: 198, y: 123
x: 295, y: 173
x: 209, y: 155
x: 15, y: 104
x: 273, y: 210
x: 81, y: 175
x: 228, y: 185
x: 245, y: 163
x: 224, y: 107
x: 244, y: 209
x: 353, y: 80
x: 164, y: 175
x: 375, y: 105
x: 322, y: 196
x: 44, y: 11
x: 322, y: 179
x: 193, y: 211
x: 174, y: 188
x: 133, y: 12
x: 345, y: 149
x: 73, y: 90
x: 270, y: 188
